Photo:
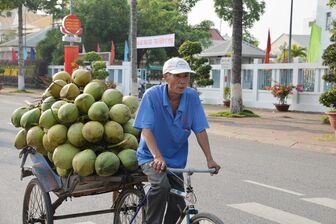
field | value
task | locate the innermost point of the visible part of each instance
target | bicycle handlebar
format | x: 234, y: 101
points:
x: 191, y: 170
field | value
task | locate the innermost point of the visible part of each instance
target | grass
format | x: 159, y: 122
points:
x: 245, y: 113
x: 328, y: 137
x: 21, y: 91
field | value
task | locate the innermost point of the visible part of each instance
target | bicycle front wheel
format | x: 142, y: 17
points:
x: 205, y: 218
x: 128, y: 208
x: 36, y: 204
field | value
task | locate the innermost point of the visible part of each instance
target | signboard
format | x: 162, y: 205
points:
x: 71, y: 24
x: 73, y: 38
x: 167, y: 40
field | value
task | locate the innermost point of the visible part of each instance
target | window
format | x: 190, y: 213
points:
x: 110, y: 78
x: 8, y: 14
x: 119, y: 76
x: 307, y: 79
x: 264, y: 78
x: 286, y: 77
x: 216, y: 78
x: 328, y: 20
x: 247, y: 79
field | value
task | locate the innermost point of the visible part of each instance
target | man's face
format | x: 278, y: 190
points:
x: 177, y: 83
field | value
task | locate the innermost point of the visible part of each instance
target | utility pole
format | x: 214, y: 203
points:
x: 133, y: 37
x: 290, y: 33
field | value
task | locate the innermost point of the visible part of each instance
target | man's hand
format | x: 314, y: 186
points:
x: 158, y: 164
x: 213, y: 164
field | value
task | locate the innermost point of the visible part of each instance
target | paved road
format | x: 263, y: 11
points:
x: 259, y: 183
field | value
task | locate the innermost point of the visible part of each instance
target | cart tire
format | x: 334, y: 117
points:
x: 126, y: 206
x: 205, y: 218
x: 37, y: 206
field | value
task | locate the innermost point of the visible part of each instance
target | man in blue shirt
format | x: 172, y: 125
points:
x: 167, y: 114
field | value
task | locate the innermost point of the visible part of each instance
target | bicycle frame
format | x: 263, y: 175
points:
x: 190, y: 203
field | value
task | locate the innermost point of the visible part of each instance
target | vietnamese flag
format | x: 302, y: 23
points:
x: 268, y: 48
x: 13, y: 55
x: 112, y: 54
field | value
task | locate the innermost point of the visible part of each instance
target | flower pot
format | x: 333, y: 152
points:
x: 282, y: 107
x: 332, y: 119
x: 226, y: 103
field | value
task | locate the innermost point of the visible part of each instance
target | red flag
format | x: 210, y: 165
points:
x: 112, y: 55
x: 98, y: 48
x: 268, y: 48
x: 13, y: 55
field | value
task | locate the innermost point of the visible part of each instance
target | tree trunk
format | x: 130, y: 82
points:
x: 133, y: 36
x: 237, y: 34
x: 21, y: 82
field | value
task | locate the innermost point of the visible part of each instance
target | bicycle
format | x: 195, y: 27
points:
x: 130, y: 206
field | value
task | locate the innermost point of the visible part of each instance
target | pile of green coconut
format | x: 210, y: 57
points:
x: 81, y: 126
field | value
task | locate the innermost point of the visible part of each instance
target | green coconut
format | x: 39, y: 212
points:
x: 69, y: 91
x: 107, y: 164
x: 17, y: 114
x: 95, y: 89
x: 84, y: 162
x: 46, y: 94
x: 57, y: 134
x: 84, y: 102
x: 132, y: 102
x: 47, y: 119
x: 55, y: 107
x: 35, y: 139
x: 81, y: 77
x: 68, y: 113
x: 128, y: 159
x: 48, y: 146
x: 62, y: 172
x: 75, y: 135
x: 93, y: 131
x: 113, y: 132
x: 62, y: 75
x: 20, y: 139
x: 112, y: 97
x: 98, y: 112
x: 49, y: 155
x: 131, y: 142
x: 128, y: 128
x: 47, y: 103
x: 63, y: 155
x: 120, y: 113
x: 55, y: 88
x: 30, y: 118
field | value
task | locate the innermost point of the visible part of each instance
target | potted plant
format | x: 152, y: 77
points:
x: 328, y: 98
x: 281, y: 92
x: 227, y: 94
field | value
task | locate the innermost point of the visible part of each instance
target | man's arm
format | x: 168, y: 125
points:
x: 158, y: 164
x: 203, y: 141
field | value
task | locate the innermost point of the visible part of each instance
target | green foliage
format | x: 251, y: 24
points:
x: 249, y: 38
x: 99, y: 70
x: 244, y: 113
x: 325, y: 119
x: 200, y: 65
x: 51, y: 48
x: 328, y: 98
x: 227, y: 93
x: 92, y: 56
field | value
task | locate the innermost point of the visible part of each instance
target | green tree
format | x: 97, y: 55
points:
x: 188, y: 50
x: 50, y: 49
x: 12, y: 4
x: 296, y: 51
x: 241, y: 14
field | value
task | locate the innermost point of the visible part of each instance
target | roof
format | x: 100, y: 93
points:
x: 215, y: 35
x: 224, y: 48
x: 31, y: 40
x: 302, y: 40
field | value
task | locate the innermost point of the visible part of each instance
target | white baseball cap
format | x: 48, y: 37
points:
x: 176, y: 66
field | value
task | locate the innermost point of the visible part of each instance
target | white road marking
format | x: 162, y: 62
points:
x: 327, y: 202
x: 272, y: 214
x: 274, y: 188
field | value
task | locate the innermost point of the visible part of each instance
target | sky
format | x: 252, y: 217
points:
x: 276, y: 18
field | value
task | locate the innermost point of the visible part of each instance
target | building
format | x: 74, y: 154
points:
x: 282, y: 42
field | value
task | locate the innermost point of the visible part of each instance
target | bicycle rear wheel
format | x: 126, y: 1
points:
x: 127, y: 207
x: 205, y: 218
x: 36, y: 204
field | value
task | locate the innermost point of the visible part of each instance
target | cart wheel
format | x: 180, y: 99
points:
x: 129, y: 207
x: 36, y: 204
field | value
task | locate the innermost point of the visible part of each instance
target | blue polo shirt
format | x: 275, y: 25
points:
x: 171, y: 133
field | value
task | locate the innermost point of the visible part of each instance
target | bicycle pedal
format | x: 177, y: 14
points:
x: 193, y: 211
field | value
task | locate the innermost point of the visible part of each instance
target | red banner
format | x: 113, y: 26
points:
x: 70, y: 55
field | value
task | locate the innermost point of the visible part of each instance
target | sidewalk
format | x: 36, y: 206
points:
x: 297, y: 130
